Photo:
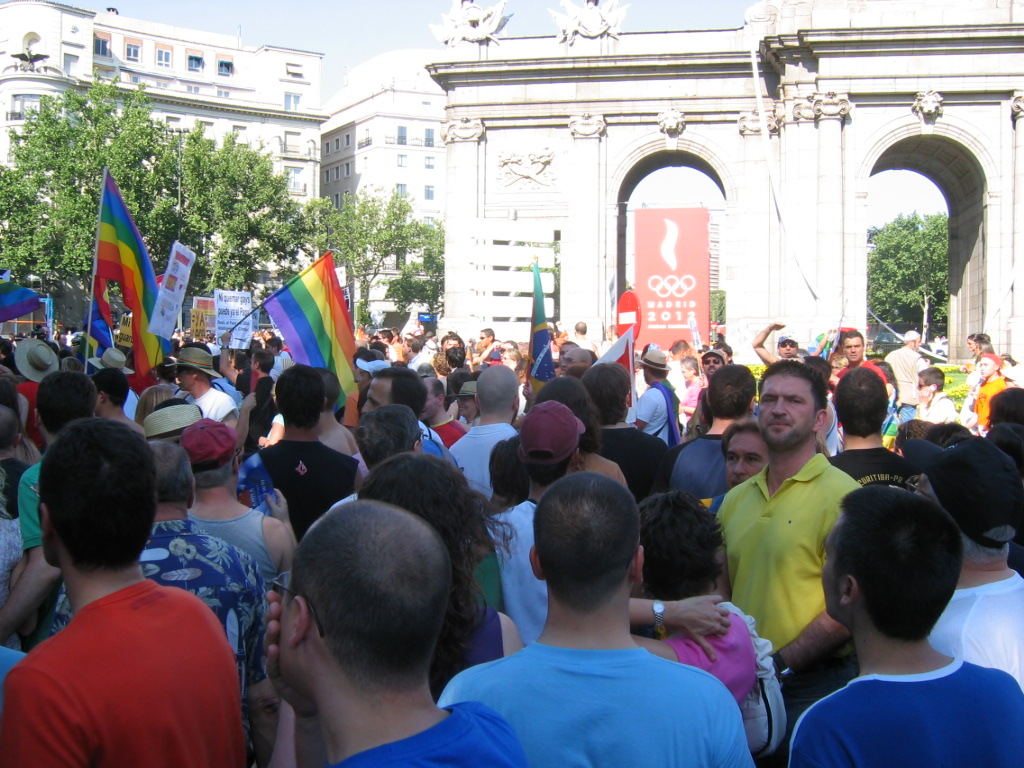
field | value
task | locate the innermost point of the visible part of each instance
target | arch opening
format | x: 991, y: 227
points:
x: 961, y: 180
x: 665, y: 179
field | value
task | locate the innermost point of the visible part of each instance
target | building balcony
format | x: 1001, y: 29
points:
x: 15, y: 116
x: 364, y: 143
x: 296, y: 188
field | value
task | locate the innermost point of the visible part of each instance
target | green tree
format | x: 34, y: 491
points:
x: 718, y: 307
x: 421, y: 281
x: 908, y: 269
x: 377, y: 233
x: 224, y: 202
x: 319, y: 227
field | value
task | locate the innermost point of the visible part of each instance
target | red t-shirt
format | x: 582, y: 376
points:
x: 141, y: 677
x: 450, y: 432
x: 30, y: 389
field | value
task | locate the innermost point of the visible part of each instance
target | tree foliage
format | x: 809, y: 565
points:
x: 908, y: 269
x: 421, y: 281
x: 376, y: 234
x: 234, y: 211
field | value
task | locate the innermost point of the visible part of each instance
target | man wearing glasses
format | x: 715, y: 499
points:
x: 788, y: 349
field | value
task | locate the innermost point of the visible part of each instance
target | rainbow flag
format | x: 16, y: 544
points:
x: 310, y: 312
x: 542, y: 365
x: 121, y: 256
x: 16, y: 301
x: 98, y: 337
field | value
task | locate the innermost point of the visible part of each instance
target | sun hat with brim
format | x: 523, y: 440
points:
x: 112, y: 358
x: 35, y: 359
x: 199, y: 359
x: 656, y: 359
x: 167, y: 424
x: 468, y: 389
x: 372, y: 366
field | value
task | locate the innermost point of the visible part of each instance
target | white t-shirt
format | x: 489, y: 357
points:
x: 526, y: 596
x: 985, y: 626
x: 215, y: 405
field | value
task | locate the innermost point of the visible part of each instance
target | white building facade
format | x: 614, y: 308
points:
x: 269, y: 96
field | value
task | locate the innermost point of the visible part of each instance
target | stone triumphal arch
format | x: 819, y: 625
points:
x: 790, y: 115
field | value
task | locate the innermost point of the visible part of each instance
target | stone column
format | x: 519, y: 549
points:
x: 1016, y: 323
x: 584, y: 295
x: 830, y: 111
x: 465, y: 194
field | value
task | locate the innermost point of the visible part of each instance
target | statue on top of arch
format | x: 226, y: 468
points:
x: 470, y: 23
x: 590, y: 20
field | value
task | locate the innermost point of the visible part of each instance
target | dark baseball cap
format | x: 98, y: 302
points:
x: 549, y: 434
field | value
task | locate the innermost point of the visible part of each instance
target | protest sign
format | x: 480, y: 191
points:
x: 172, y: 291
x: 232, y: 307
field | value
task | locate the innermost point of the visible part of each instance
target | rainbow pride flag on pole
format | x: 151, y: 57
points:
x: 542, y: 365
x: 121, y: 256
x: 310, y: 312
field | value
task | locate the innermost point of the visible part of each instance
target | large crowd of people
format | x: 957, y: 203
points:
x: 228, y: 561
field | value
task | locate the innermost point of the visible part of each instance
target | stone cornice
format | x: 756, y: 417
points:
x: 894, y: 40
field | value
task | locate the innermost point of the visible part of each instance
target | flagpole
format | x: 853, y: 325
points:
x: 95, y: 265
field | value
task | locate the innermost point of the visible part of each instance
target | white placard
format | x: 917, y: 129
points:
x: 233, y: 306
x: 172, y: 291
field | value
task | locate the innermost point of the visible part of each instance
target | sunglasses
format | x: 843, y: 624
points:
x: 281, y: 585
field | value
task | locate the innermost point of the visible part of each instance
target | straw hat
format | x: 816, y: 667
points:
x: 167, y: 424
x: 35, y: 359
x: 112, y: 358
x: 199, y: 359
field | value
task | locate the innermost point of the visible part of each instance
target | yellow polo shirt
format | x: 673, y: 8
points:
x: 775, y: 545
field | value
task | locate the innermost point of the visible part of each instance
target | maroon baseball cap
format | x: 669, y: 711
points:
x: 549, y: 434
x: 209, y: 444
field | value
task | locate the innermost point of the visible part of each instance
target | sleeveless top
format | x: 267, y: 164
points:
x: 246, y: 533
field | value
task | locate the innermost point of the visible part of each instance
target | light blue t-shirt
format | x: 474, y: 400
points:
x: 472, y: 735
x: 608, y: 709
x: 8, y: 658
x: 959, y: 715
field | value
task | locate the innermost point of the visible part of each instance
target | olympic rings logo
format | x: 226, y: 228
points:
x: 671, y: 285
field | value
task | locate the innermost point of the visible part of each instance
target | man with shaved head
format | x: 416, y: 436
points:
x: 497, y: 395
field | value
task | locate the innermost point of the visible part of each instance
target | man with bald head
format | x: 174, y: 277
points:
x: 497, y: 395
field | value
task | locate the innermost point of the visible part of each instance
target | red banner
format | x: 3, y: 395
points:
x: 672, y: 275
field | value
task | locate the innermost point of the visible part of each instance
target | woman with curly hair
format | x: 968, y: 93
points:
x: 441, y: 362
x: 438, y: 492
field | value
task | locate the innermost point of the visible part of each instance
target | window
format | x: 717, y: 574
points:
x: 132, y: 52
x: 337, y: 172
x: 291, y: 101
x: 426, y: 103
x: 161, y: 84
x: 403, y: 135
x: 327, y: 176
x: 337, y: 201
x: 21, y: 104
x: 428, y: 137
x: 401, y: 189
x: 294, y: 179
x: 134, y: 79
x: 428, y: 193
x: 195, y: 63
x: 293, y: 70
x: 403, y: 161
x: 428, y: 220
x: 223, y: 94
x: 327, y: 147
x: 174, y: 122
x: 348, y: 169
x: 428, y: 161
x: 348, y: 140
x: 240, y: 130
x: 100, y: 46
x: 163, y: 57
x: 292, y: 142
x: 225, y: 68
x: 192, y: 88
x: 70, y: 65
x: 205, y: 127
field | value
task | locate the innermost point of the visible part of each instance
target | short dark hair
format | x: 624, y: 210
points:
x: 945, y: 435
x: 820, y: 366
x: 415, y: 344
x: 850, y: 335
x: 730, y: 392
x: 366, y: 354
x: 681, y: 540
x: 264, y: 359
x: 721, y: 345
x: 63, y: 397
x: 586, y: 529
x: 608, y: 386
x: 745, y: 426
x: 9, y: 430
x: 455, y: 357
x: 386, y: 431
x: 173, y: 472
x: 819, y: 392
x: 905, y: 552
x: 378, y: 578
x: 932, y: 377
x: 1007, y: 407
x: 98, y: 483
x: 300, y: 396
x: 113, y: 383
x: 861, y: 402
x: 274, y: 343
x: 332, y: 388
x: 509, y: 478
x: 407, y: 388
x: 487, y: 332
x: 910, y: 430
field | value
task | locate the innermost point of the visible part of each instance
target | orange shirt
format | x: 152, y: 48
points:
x: 983, y: 404
x: 143, y: 677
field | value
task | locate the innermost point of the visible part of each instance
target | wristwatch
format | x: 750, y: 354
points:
x: 659, y: 619
x: 781, y: 670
